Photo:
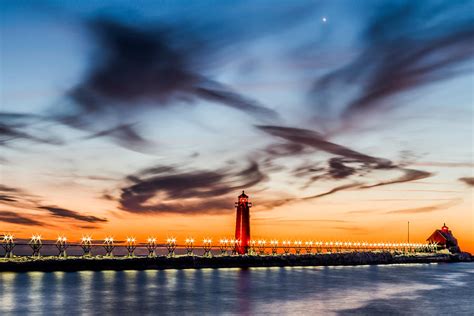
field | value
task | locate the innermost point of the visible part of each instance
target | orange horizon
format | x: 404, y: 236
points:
x: 416, y: 236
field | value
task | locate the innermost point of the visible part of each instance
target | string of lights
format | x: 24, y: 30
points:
x: 226, y: 246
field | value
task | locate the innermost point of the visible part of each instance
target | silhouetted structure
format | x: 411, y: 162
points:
x: 62, y: 245
x: 86, y: 245
x: 207, y: 246
x: 151, y: 247
x: 109, y: 246
x: 171, y: 246
x: 189, y: 246
x: 8, y: 244
x: 444, y: 237
x: 36, y: 244
x: 242, y: 226
x: 131, y: 246
x: 223, y: 246
x: 274, y: 244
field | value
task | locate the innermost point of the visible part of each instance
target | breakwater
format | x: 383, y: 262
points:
x: 21, y: 264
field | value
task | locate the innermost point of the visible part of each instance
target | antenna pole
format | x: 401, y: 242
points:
x: 408, y: 231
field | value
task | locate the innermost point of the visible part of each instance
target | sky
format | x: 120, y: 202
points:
x: 342, y: 120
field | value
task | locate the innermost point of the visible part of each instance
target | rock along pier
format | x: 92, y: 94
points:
x: 23, y: 264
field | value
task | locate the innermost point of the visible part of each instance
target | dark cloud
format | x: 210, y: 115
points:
x: 15, y: 218
x: 272, y: 203
x: 17, y: 197
x: 409, y: 175
x: 65, y: 213
x: 9, y: 133
x: 193, y: 192
x: 155, y: 170
x: 313, y: 139
x: 8, y: 194
x: 17, y: 126
x: 338, y: 168
x: 467, y: 180
x: 7, y: 198
x: 285, y: 149
x: 272, y: 153
x: 405, y: 45
x: 308, y: 168
x: 347, y: 163
x: 108, y: 197
x: 139, y: 67
x: 88, y: 227
x: 98, y: 178
x: 125, y: 135
x: 218, y: 93
x: 5, y: 188
x: 20, y: 199
x: 142, y: 64
x: 334, y: 190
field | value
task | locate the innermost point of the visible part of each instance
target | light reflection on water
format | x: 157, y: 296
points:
x: 396, y: 289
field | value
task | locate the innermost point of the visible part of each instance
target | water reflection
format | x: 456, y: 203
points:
x: 7, y: 297
x: 294, y: 290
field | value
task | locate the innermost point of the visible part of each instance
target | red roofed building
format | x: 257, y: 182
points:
x: 444, y: 238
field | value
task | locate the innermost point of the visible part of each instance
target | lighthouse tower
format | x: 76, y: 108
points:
x: 242, y: 224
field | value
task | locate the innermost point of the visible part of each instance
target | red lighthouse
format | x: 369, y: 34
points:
x: 242, y: 225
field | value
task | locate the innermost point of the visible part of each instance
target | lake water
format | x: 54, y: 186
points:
x: 421, y: 289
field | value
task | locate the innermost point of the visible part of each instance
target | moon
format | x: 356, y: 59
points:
x: 324, y: 19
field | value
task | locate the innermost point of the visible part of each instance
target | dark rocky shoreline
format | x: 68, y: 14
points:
x: 48, y: 264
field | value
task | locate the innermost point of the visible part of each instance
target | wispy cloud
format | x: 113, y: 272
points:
x: 405, y: 45
x: 167, y: 190
x: 314, y: 139
x: 444, y: 164
x: 361, y: 212
x: 124, y: 134
x: 347, y: 163
x: 426, y: 209
x: 143, y: 66
x: 65, y: 213
x: 88, y: 227
x: 334, y: 190
x: 19, y: 126
x: 352, y: 229
x: 309, y: 220
x: 15, y: 218
x: 409, y: 175
x: 20, y: 200
x: 468, y: 180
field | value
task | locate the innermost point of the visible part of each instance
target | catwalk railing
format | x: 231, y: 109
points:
x: 109, y: 247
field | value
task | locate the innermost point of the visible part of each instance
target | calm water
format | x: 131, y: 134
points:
x: 428, y: 289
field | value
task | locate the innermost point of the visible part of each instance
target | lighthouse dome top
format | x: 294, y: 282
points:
x: 445, y: 228
x: 243, y: 195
